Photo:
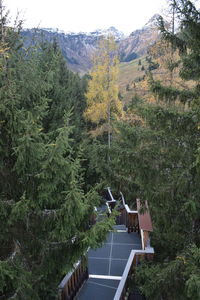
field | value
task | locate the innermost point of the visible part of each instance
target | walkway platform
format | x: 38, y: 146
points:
x: 106, y: 264
x: 104, y: 273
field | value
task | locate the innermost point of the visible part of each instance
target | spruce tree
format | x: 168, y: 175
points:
x: 44, y: 209
x: 66, y: 92
x: 156, y: 156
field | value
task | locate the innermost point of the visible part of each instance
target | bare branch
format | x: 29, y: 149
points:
x: 49, y: 212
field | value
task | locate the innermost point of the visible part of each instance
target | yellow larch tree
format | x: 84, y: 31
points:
x: 103, y: 103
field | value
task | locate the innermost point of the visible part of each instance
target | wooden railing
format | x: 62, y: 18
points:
x: 127, y: 217
x: 130, y: 217
x: 134, y: 258
x: 111, y: 203
x: 73, y: 281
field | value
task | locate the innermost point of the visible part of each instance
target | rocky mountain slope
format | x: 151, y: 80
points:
x: 78, y: 48
x: 139, y: 41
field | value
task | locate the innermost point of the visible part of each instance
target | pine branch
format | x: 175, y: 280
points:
x: 15, y: 295
x: 15, y: 251
x: 9, y: 202
x: 49, y: 212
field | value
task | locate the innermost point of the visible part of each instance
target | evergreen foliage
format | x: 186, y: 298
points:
x: 178, y: 279
x: 45, y: 210
x: 45, y: 201
x: 155, y: 156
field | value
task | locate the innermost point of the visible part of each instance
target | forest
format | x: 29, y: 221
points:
x: 64, y: 138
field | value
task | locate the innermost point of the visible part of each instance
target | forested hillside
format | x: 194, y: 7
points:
x: 65, y: 138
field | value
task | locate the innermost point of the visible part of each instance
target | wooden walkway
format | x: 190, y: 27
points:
x: 106, y: 264
x: 105, y: 275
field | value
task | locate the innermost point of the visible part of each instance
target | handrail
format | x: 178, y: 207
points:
x: 126, y: 205
x: 123, y: 200
x: 142, y: 238
x: 130, y: 216
x: 121, y: 290
x: 108, y: 207
x: 129, y: 211
x: 68, y: 276
x: 72, y: 282
x: 111, y: 196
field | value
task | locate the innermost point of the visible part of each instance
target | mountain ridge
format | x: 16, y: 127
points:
x: 78, y: 48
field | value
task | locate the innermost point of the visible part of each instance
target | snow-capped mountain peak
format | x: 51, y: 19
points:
x: 109, y: 31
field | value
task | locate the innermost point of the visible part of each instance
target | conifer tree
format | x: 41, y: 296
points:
x: 156, y: 157
x: 44, y: 209
x: 103, y: 104
x: 66, y: 92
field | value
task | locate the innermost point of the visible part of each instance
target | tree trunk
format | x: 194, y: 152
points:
x: 109, y: 129
x: 1, y: 13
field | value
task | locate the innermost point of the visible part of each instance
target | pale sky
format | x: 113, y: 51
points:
x: 85, y: 15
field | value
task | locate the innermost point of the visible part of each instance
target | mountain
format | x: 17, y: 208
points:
x: 78, y: 48
x: 139, y: 40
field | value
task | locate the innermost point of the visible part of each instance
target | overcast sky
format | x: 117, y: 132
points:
x: 85, y: 15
